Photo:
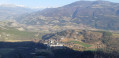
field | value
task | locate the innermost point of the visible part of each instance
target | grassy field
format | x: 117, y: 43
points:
x: 14, y: 35
x: 90, y: 50
x: 115, y: 35
x: 83, y: 44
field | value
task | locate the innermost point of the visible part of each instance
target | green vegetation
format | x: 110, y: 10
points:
x: 90, y: 50
x: 83, y: 44
x: 107, y: 34
x: 13, y: 34
x: 16, y: 32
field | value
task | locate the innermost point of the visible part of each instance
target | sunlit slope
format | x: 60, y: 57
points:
x: 14, y: 34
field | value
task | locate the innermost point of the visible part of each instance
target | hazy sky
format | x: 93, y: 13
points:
x: 42, y: 3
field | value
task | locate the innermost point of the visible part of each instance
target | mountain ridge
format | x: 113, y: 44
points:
x: 96, y: 14
x: 10, y: 11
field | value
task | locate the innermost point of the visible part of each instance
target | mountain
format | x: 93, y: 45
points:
x: 95, y: 14
x: 9, y: 11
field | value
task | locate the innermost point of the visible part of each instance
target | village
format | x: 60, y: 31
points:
x: 52, y: 43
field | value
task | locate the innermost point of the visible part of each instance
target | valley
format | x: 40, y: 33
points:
x: 82, y: 29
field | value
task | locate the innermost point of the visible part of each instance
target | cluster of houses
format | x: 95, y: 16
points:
x: 53, y: 43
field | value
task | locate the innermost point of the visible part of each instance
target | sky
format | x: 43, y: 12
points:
x: 42, y: 3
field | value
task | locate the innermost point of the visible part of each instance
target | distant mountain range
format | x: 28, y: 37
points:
x: 9, y: 11
x: 95, y: 14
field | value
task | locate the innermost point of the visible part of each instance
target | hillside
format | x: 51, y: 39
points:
x: 84, y: 39
x: 80, y: 14
x: 12, y: 34
x: 11, y: 31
